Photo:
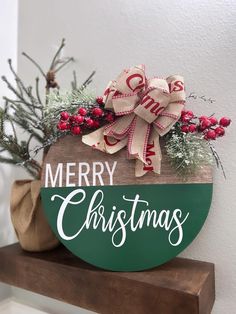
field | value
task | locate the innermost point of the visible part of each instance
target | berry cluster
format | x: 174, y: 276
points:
x: 209, y: 126
x: 85, y: 118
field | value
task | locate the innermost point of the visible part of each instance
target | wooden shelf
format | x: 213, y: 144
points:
x: 181, y: 286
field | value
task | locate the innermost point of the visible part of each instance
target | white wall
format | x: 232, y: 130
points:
x: 8, y: 49
x: 193, y: 38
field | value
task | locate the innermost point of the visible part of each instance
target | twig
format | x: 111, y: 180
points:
x: 74, y: 82
x: 87, y: 81
x: 64, y: 64
x: 194, y: 96
x: 52, y: 66
x: 35, y: 63
x: 217, y: 158
x: 37, y: 90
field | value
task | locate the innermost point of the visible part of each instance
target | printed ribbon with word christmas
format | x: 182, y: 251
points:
x: 145, y: 109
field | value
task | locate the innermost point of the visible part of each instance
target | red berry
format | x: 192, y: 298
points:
x: 205, y: 124
x: 219, y: 131
x: 183, y: 112
x: 202, y: 128
x: 72, y: 118
x: 99, y: 100
x: 210, y: 135
x: 203, y: 118
x: 110, y: 117
x: 62, y: 126
x: 190, y: 113
x: 96, y: 124
x: 192, y: 128
x: 185, y: 118
x: 82, y: 111
x: 76, y: 130
x: 78, y: 119
x: 64, y: 115
x: 213, y: 120
x: 89, y: 122
x: 185, y: 128
x: 225, y: 121
x: 97, y: 112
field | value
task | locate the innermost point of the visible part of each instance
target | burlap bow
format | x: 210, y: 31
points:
x: 145, y: 109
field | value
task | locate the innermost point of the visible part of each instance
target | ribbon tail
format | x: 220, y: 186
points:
x: 95, y: 139
x: 104, y: 143
x: 153, y: 156
x: 138, y: 138
x: 119, y: 129
x: 113, y: 145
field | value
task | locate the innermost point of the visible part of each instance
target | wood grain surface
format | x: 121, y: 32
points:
x: 71, y: 149
x: 181, y: 286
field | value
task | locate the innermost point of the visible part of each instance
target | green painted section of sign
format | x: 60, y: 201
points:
x: 127, y: 228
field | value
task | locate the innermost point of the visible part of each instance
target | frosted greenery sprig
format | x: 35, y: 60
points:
x: 187, y: 152
x: 68, y: 101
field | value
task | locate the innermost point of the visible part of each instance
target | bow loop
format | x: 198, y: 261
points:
x: 135, y: 150
x: 131, y: 80
x: 124, y: 104
x: 176, y: 88
x: 145, y: 110
x: 154, y: 101
x: 172, y: 112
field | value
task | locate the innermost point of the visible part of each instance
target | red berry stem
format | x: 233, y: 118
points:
x: 208, y: 126
x: 88, y: 118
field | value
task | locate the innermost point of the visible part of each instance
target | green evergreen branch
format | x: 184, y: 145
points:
x: 20, y: 84
x: 187, y: 152
x: 36, y: 117
x: 20, y: 157
x: 22, y: 114
x: 13, y: 128
x: 7, y: 160
x: 28, y: 142
x: 11, y: 88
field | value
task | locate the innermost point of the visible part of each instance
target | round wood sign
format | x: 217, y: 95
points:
x: 108, y: 217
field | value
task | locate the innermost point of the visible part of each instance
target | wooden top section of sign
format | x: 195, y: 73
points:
x: 70, y: 149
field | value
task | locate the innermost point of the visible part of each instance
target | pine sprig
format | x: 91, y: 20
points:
x: 187, y: 152
x: 69, y: 101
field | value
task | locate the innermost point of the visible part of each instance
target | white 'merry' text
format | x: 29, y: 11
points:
x: 79, y: 174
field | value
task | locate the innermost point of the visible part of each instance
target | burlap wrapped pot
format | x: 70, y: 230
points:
x: 32, y: 229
